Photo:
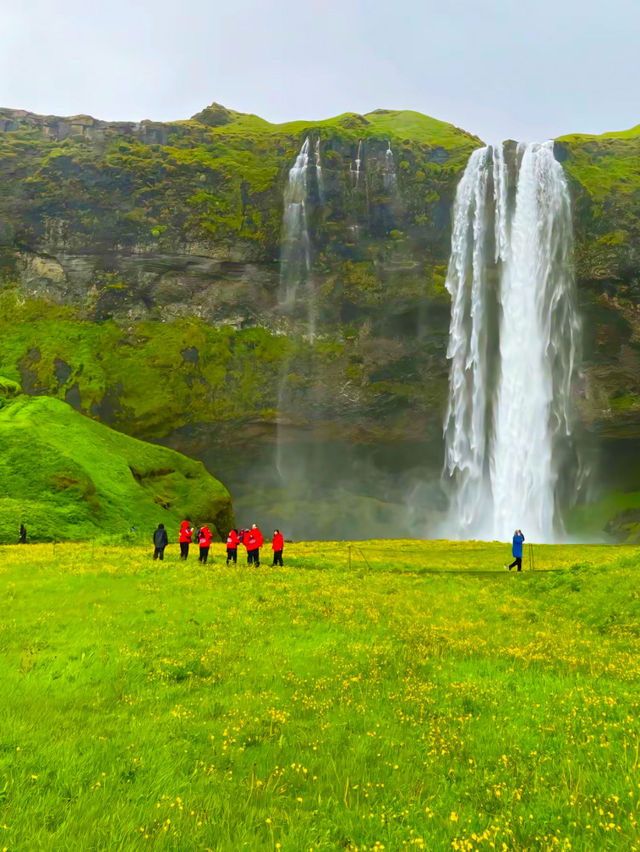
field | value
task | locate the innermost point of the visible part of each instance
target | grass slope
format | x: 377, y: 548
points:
x: 315, y: 707
x: 389, y: 124
x: 68, y: 477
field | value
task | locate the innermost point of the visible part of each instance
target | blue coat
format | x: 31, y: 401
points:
x: 517, y: 546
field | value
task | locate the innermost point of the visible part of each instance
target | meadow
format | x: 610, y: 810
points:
x: 395, y: 695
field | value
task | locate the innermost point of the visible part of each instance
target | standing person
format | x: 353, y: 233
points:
x: 204, y: 540
x: 249, y: 541
x: 232, y: 547
x: 160, y: 541
x: 516, y: 550
x: 23, y: 534
x: 258, y: 541
x: 186, y: 532
x: 278, y: 547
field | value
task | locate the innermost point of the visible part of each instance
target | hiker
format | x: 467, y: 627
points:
x: 160, y: 541
x: 232, y: 547
x: 23, y: 534
x: 253, y: 541
x: 186, y: 532
x: 278, y: 546
x: 516, y: 550
x: 204, y: 540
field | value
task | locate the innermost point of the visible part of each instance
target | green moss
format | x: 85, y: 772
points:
x: 9, y: 388
x: 68, y: 477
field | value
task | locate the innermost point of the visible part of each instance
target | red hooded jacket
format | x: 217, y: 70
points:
x: 205, y: 536
x: 278, y: 541
x: 259, y: 541
x: 185, y: 532
x: 232, y: 540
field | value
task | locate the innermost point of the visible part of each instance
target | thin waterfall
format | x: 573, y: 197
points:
x: 390, y: 178
x: 357, y: 164
x: 295, y: 252
x: 319, y: 175
x: 509, y: 422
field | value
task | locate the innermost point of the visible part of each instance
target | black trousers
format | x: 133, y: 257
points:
x: 184, y: 549
x: 158, y: 553
x: 517, y: 561
x: 277, y: 557
x: 232, y: 555
x: 204, y: 554
x: 253, y: 557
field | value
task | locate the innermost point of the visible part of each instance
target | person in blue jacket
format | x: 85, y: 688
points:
x: 516, y: 550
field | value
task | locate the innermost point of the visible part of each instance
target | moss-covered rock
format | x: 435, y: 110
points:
x: 68, y: 477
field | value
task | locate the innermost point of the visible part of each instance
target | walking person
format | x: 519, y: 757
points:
x: 204, y: 540
x: 278, y: 547
x: 186, y: 533
x: 160, y: 541
x: 516, y: 550
x: 23, y: 534
x: 232, y: 547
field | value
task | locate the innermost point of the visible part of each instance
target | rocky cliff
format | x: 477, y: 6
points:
x: 140, y: 269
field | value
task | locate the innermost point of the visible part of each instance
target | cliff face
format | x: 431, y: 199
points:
x: 604, y: 174
x: 140, y: 269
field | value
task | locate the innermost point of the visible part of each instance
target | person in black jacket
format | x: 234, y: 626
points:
x: 160, y: 541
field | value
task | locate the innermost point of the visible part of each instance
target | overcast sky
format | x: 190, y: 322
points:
x: 499, y: 68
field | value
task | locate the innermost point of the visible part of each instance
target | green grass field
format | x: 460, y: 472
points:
x: 421, y: 699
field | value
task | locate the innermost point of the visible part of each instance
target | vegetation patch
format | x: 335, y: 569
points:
x: 423, y: 699
x: 68, y: 477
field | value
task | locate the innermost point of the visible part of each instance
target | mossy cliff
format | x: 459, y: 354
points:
x: 140, y: 270
x: 68, y: 477
x: 604, y: 176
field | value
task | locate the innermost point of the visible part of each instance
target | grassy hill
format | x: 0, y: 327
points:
x: 382, y: 705
x: 68, y: 477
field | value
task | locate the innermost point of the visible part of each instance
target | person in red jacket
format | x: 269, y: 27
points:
x: 232, y: 547
x: 186, y: 531
x: 278, y: 547
x: 204, y: 540
x: 253, y: 541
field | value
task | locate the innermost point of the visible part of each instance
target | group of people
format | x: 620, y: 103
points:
x: 252, y: 539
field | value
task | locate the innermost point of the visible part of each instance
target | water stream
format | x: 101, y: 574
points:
x: 513, y: 345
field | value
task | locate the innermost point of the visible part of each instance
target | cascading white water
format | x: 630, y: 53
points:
x: 390, y: 179
x: 319, y: 175
x: 295, y: 253
x: 465, y: 426
x: 358, y: 164
x: 509, y: 416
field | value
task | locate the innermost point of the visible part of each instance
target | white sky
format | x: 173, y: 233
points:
x: 502, y: 68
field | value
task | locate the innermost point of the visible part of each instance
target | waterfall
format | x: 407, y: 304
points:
x: 358, y: 163
x: 319, y: 175
x: 295, y: 253
x: 390, y: 179
x: 466, y: 446
x: 513, y: 345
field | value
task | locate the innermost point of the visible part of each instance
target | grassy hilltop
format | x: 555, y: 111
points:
x: 381, y: 706
x: 68, y: 477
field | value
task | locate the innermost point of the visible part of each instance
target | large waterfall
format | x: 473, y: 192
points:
x: 513, y: 345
